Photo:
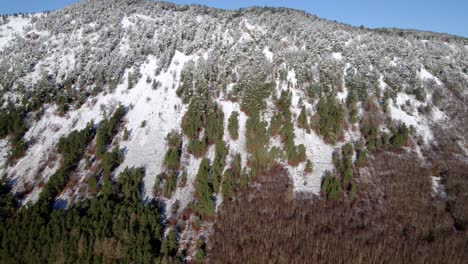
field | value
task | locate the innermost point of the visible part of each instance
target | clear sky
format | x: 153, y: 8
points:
x: 449, y: 16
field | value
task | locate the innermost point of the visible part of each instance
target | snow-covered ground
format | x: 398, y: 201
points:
x: 337, y: 55
x: 425, y: 75
x: 235, y: 146
x: 15, y: 25
x: 268, y: 54
x: 161, y: 109
x: 437, y: 187
x: 411, y: 116
x: 320, y: 154
x: 317, y: 151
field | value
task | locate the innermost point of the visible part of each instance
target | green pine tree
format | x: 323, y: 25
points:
x: 204, y: 205
x: 308, y: 167
x: 302, y: 119
x: 233, y: 125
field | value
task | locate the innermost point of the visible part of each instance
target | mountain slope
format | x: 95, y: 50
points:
x: 319, y: 99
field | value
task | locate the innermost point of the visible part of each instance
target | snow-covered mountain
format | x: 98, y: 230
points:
x: 352, y: 86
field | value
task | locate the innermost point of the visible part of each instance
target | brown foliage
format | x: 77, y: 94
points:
x: 394, y: 219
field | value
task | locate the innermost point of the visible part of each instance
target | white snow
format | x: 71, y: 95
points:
x: 245, y: 38
x: 437, y: 187
x: 144, y: 17
x: 317, y: 151
x: 382, y: 84
x: 14, y: 26
x: 420, y: 122
x: 292, y: 78
x: 184, y: 195
x: 126, y: 23
x: 320, y: 154
x: 235, y: 146
x: 337, y: 55
x: 268, y: 54
x: 41, y: 159
x: 425, y: 75
x: 394, y: 61
x: 251, y: 28
x: 146, y: 146
x: 161, y: 109
x: 341, y: 96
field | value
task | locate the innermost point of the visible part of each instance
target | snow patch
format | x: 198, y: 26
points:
x: 126, y: 23
x: 14, y: 26
x: 252, y: 28
x: 268, y: 54
x: 317, y: 151
x: 412, y: 117
x: 320, y: 154
x: 437, y: 187
x: 235, y: 146
x: 162, y: 111
x: 337, y: 55
x: 425, y: 75
x: 292, y: 78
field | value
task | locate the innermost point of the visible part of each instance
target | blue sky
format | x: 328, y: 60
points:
x: 449, y: 16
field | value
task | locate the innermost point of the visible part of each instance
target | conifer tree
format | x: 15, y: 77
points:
x: 204, y: 205
x: 229, y: 184
x: 173, y: 154
x: 170, y: 244
x: 329, y: 119
x: 244, y: 179
x: 217, y: 167
x: 275, y: 124
x: 330, y: 187
x: 302, y: 119
x: 401, y: 137
x: 107, y: 130
x: 233, y: 125
x: 125, y: 134
x: 308, y: 167
x: 170, y: 185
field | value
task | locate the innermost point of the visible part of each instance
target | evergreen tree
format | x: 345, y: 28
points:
x: 233, y: 125
x: 200, y: 256
x: 254, y: 98
x: 256, y: 134
x: 173, y: 154
x: 328, y: 121
x: 198, y: 148
x: 125, y: 134
x: 401, y: 138
x: 308, y: 167
x: 229, y: 184
x: 92, y: 184
x: 217, y: 167
x: 203, y: 114
x: 170, y: 244
x: 170, y: 185
x: 107, y: 130
x: 204, y: 205
x: 172, y: 159
x: 302, y: 119
x: 330, y: 186
x: 275, y: 124
x: 244, y: 179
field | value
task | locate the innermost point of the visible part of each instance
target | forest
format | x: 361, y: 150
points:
x: 135, y: 131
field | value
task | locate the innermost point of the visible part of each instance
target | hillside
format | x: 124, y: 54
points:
x: 204, y: 120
